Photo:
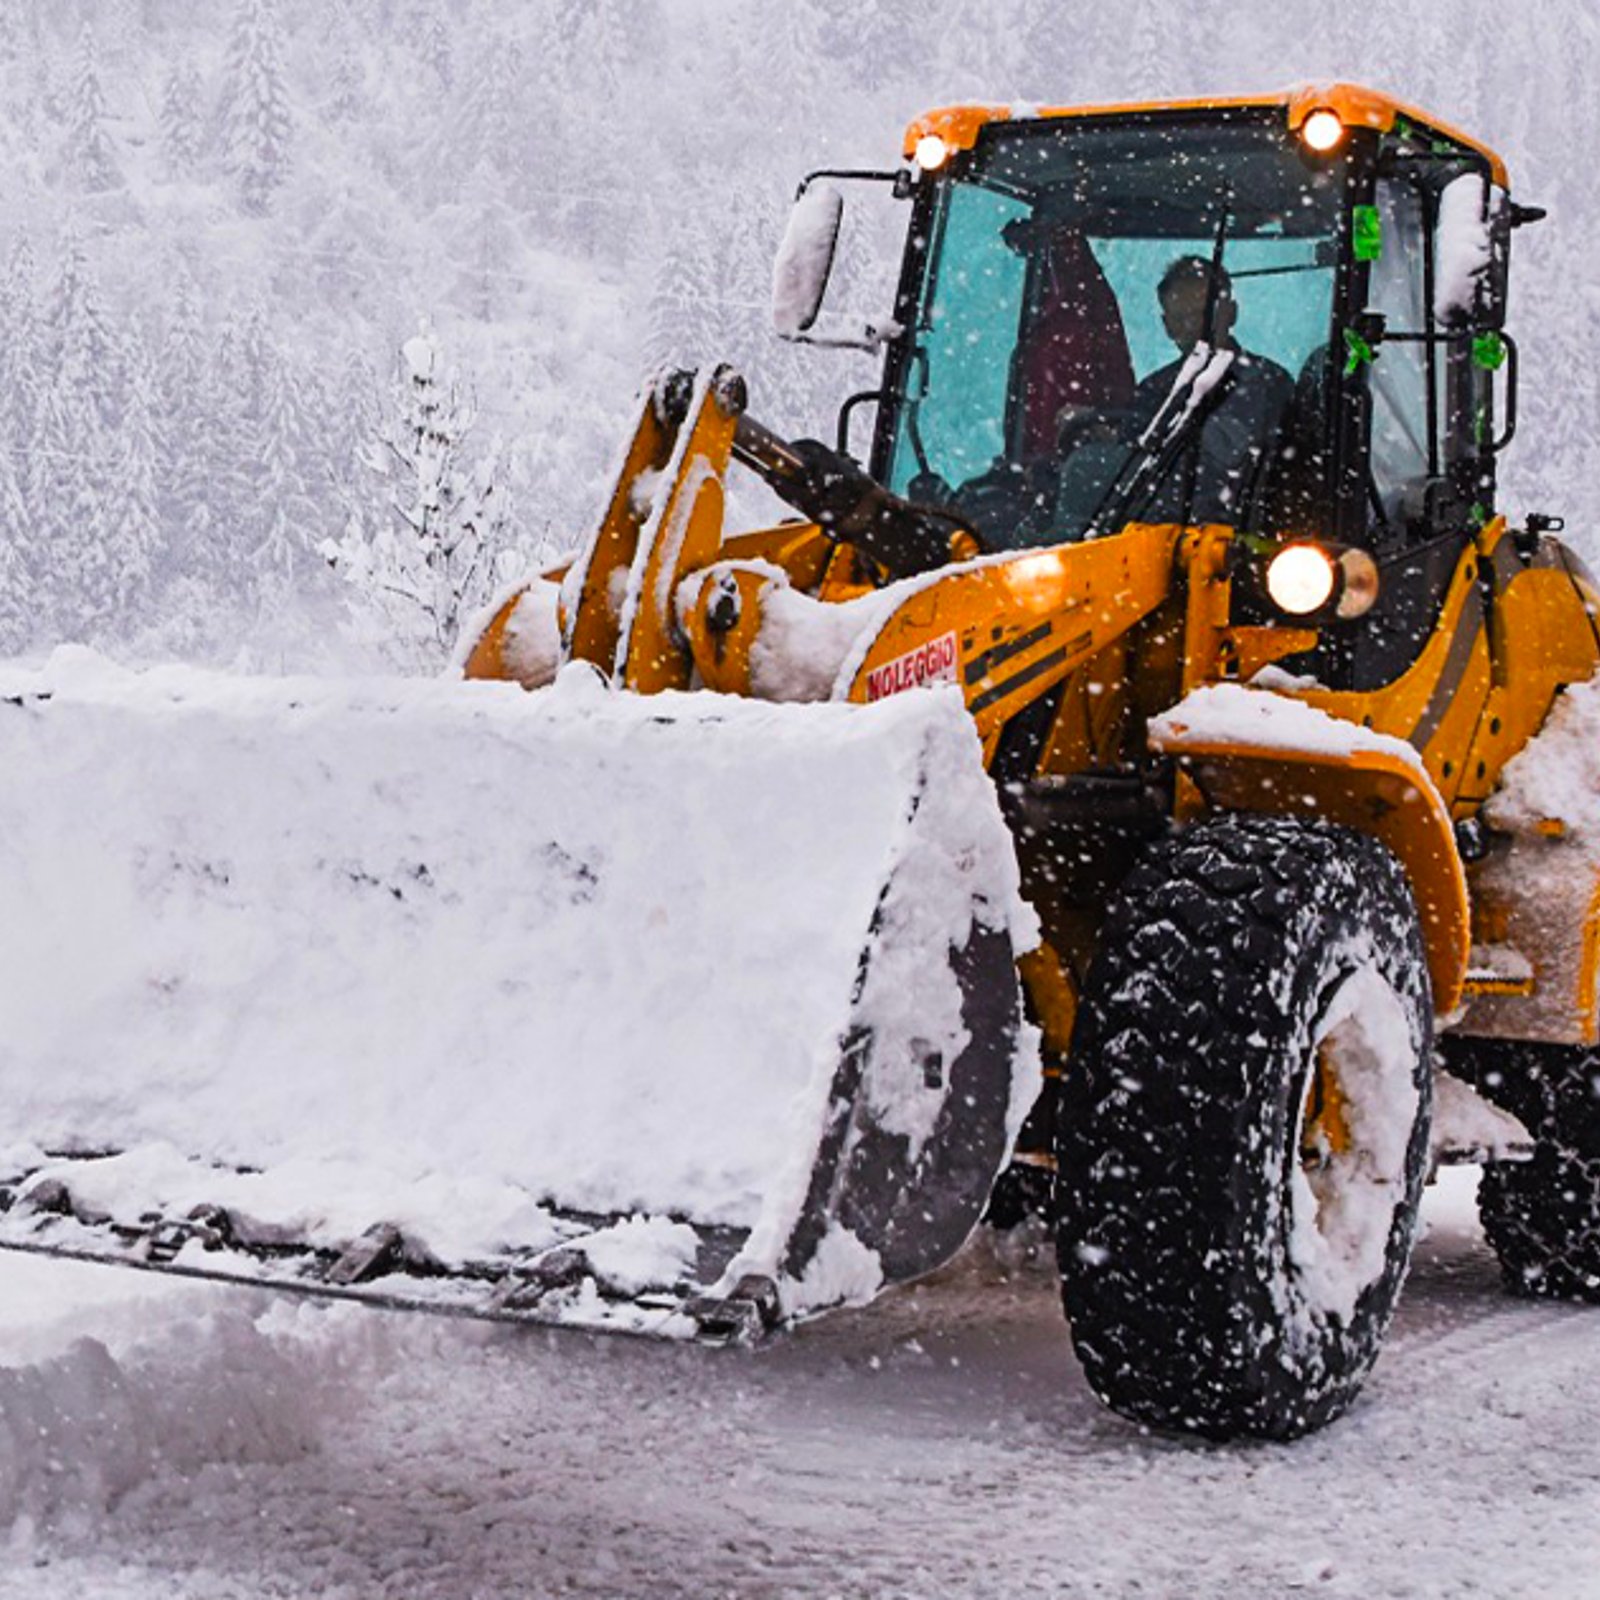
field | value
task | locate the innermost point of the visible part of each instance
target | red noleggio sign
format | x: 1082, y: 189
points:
x: 933, y: 662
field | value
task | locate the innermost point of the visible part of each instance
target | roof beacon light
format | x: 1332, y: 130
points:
x: 932, y: 152
x: 1301, y: 579
x: 1322, y: 131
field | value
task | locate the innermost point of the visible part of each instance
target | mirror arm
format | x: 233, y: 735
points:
x: 902, y: 180
x: 850, y: 333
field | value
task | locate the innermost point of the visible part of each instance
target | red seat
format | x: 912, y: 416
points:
x: 1074, y: 347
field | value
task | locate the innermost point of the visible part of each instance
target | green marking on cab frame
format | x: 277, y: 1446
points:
x: 1489, y: 351
x: 1366, y: 233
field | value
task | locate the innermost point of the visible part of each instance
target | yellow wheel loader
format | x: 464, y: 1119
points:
x: 1153, y: 788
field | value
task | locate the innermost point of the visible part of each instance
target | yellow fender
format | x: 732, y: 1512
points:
x: 1375, y: 790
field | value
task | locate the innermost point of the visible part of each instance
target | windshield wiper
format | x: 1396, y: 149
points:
x: 1199, y: 383
x: 1195, y: 389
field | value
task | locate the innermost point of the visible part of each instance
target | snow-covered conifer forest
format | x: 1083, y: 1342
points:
x: 323, y: 320
x: 226, y: 221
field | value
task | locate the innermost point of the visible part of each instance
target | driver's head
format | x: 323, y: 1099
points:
x: 1186, y: 292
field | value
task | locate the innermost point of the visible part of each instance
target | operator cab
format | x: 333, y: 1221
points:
x: 1332, y: 378
x: 1045, y: 350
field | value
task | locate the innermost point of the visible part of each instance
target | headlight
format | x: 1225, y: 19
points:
x: 931, y: 152
x: 1302, y: 578
x: 1305, y: 579
x: 1360, y: 586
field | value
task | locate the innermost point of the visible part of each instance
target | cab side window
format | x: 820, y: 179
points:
x: 1402, y: 456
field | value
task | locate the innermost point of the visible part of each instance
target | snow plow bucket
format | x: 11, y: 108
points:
x: 675, y: 1014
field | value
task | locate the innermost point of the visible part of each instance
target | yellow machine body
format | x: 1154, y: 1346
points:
x: 1125, y: 626
x: 1115, y: 631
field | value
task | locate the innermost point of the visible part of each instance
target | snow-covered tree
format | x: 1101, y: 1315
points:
x: 567, y: 21
x: 17, y: 615
x: 440, y: 549
x: 437, y: 48
x: 91, y: 492
x: 228, y: 399
x: 604, y: 41
x: 181, y: 122
x: 18, y: 596
x: 132, y: 496
x: 678, y: 329
x: 65, y: 478
x: 489, y: 128
x: 257, y: 124
x: 347, y: 91
x: 353, y: 420
x: 487, y: 247
x: 20, y: 378
x: 891, y: 42
x: 83, y: 580
x: 284, y: 512
x: 20, y: 388
x: 89, y: 152
x: 75, y: 567
x: 80, y: 346
x: 191, y: 474
x: 799, y: 28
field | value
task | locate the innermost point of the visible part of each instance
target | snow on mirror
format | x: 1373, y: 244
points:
x: 1464, y: 252
x: 805, y: 258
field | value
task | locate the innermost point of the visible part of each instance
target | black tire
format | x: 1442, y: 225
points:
x: 1542, y: 1216
x: 1213, y: 1285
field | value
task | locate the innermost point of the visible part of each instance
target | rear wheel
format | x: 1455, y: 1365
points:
x: 1542, y: 1216
x: 1243, y: 1128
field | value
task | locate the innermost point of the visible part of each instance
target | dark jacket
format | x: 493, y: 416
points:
x: 1218, y: 466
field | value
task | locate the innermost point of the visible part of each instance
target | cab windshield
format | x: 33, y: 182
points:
x: 1073, y: 269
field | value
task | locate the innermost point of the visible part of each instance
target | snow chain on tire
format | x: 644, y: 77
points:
x: 1216, y: 1281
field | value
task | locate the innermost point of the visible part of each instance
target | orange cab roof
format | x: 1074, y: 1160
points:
x: 1355, y: 106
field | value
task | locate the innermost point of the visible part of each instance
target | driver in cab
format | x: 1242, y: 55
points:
x: 1083, y: 417
x: 1243, y: 413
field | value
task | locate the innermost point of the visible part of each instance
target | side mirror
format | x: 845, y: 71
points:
x: 1472, y: 253
x: 805, y: 259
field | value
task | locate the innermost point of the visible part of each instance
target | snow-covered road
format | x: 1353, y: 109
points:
x: 940, y: 1443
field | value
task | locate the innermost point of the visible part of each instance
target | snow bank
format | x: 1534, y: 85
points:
x: 169, y: 1384
x: 432, y: 952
